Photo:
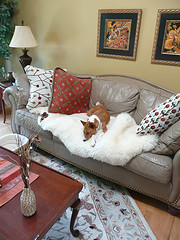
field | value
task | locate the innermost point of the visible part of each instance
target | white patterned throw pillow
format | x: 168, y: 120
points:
x: 162, y: 117
x: 40, y: 86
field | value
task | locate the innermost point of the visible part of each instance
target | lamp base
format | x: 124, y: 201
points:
x: 25, y: 59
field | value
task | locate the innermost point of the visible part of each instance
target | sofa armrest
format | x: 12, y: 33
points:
x: 175, y: 194
x: 10, y: 97
x: 169, y: 141
x: 10, y: 91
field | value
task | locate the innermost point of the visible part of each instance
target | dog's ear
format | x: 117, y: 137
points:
x: 92, y: 125
x: 83, y: 123
x: 96, y: 123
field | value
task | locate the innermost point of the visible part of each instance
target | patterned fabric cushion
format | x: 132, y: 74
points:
x: 159, y: 119
x: 70, y: 94
x: 40, y: 86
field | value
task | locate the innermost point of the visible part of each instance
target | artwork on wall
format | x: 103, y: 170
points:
x: 118, y: 32
x: 166, y: 48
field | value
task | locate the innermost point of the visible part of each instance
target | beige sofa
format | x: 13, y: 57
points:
x: 156, y: 173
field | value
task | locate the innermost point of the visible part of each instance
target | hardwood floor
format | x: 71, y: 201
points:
x: 5, y: 128
x: 163, y: 225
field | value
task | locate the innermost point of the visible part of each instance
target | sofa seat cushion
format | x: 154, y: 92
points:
x: 152, y: 166
x: 116, y: 96
x: 28, y: 120
x: 56, y: 139
x: 155, y: 167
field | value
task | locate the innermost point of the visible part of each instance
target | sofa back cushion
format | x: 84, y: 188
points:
x: 122, y: 93
x: 117, y: 96
x: 150, y: 98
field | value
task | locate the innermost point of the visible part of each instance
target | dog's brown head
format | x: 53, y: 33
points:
x: 90, y: 129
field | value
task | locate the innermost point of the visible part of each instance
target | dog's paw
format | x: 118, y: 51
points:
x: 93, y: 141
x: 43, y: 116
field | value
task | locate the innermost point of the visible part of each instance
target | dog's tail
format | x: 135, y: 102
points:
x: 98, y: 103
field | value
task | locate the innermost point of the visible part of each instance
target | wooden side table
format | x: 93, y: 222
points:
x: 3, y: 86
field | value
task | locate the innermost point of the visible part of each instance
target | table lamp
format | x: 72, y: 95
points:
x: 23, y: 38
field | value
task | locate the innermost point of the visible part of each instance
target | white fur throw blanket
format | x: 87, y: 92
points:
x: 117, y: 146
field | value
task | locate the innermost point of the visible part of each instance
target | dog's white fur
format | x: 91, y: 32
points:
x: 117, y: 146
x: 93, y: 117
x: 95, y: 138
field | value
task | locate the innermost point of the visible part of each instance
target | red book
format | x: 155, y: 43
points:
x: 8, y: 171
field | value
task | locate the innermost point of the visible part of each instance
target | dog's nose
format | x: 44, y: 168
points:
x: 84, y: 140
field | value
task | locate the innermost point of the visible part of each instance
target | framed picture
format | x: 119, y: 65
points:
x: 166, y: 47
x: 118, y: 32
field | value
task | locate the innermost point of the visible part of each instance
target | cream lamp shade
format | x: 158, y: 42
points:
x: 23, y: 38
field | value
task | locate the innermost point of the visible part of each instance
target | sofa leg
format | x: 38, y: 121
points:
x: 173, y: 211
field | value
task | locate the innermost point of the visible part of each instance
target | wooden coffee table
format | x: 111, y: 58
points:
x: 54, y: 191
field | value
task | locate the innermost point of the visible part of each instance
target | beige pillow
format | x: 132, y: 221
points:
x: 22, y: 84
x: 40, y: 86
x: 169, y: 141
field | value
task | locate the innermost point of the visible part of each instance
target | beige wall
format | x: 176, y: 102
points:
x: 66, y: 31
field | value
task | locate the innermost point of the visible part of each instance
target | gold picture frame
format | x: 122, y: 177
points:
x: 118, y: 33
x: 166, y: 47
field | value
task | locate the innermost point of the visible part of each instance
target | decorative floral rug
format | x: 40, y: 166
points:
x: 107, y: 212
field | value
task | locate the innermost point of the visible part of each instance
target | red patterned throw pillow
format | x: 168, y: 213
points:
x: 70, y: 94
x: 162, y: 117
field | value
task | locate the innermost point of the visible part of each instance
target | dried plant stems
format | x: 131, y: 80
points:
x: 25, y: 159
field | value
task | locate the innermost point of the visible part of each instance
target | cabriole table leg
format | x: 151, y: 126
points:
x: 75, y: 207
